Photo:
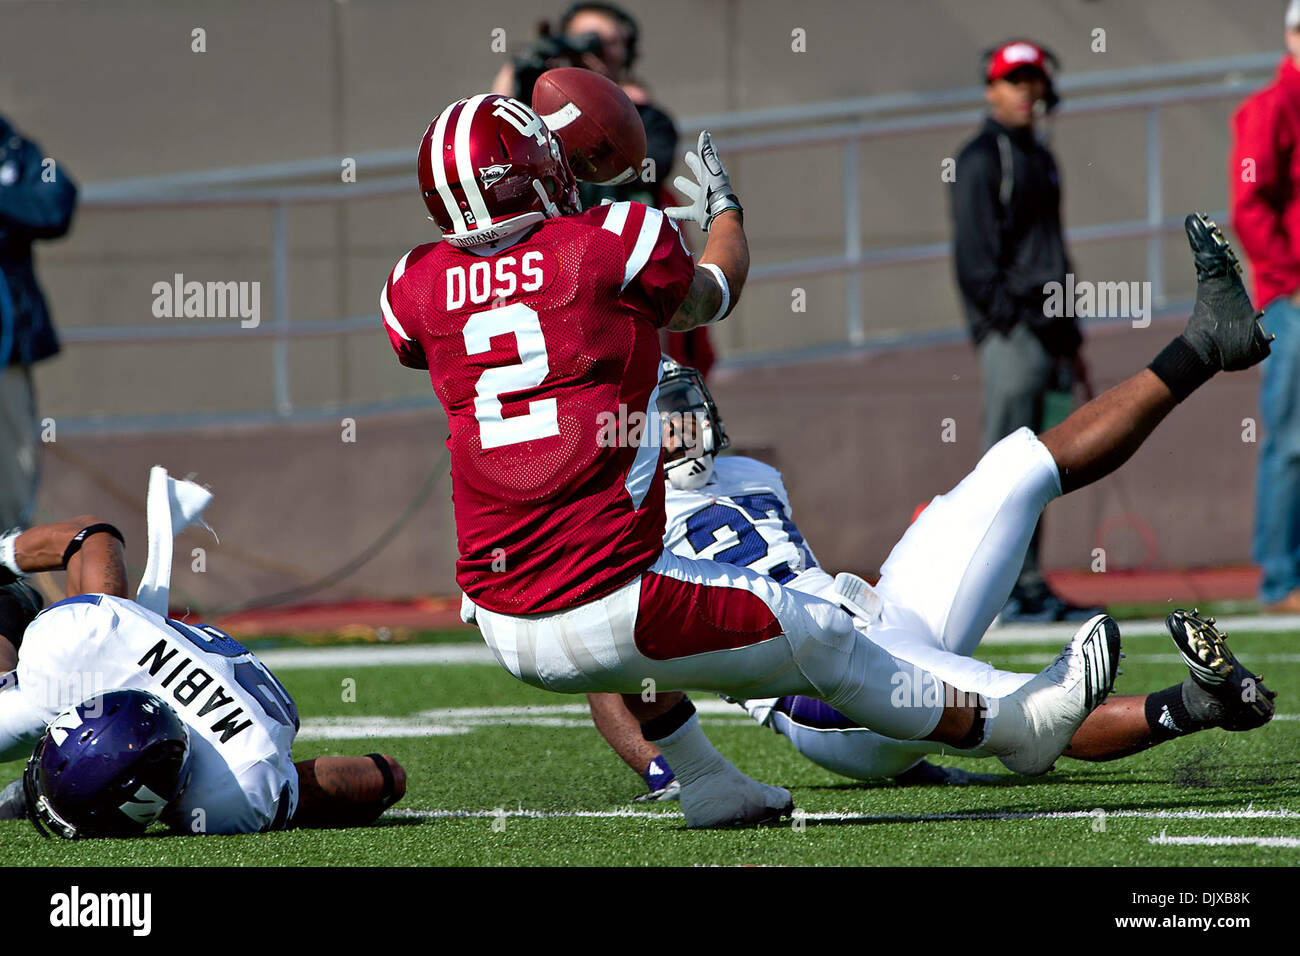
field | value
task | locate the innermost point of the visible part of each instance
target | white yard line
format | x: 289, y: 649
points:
x: 473, y: 652
x: 1040, y: 633
x: 1248, y: 813
x: 448, y: 721
x: 1163, y: 840
x: 462, y: 720
x: 1254, y: 660
x: 371, y: 655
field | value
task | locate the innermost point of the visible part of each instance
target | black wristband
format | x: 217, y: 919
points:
x: 667, y: 724
x: 734, y: 206
x: 80, y: 537
x: 1179, y: 367
x: 390, y: 785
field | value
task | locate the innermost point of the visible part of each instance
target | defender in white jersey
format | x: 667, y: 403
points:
x: 240, y: 721
x: 736, y: 510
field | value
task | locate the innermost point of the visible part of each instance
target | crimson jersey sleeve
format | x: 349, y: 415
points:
x: 396, y: 309
x: 658, y: 268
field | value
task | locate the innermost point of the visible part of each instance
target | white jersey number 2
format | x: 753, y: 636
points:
x: 542, y: 420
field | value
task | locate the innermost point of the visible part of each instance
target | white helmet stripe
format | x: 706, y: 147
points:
x: 440, y: 171
x: 465, y: 164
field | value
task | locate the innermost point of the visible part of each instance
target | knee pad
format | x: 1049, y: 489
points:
x: 821, y: 637
x: 1022, y: 453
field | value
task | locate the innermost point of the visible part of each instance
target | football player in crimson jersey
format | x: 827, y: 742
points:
x: 737, y: 510
x: 538, y: 323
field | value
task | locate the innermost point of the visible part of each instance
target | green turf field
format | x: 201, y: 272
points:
x: 475, y: 761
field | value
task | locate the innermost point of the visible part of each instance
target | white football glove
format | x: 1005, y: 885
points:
x: 671, y: 792
x: 710, y: 193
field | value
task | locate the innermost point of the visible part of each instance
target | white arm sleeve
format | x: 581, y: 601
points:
x: 725, y: 304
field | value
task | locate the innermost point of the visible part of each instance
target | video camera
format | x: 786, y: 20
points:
x: 547, y: 52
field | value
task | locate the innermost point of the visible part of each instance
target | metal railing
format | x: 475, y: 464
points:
x: 846, y: 123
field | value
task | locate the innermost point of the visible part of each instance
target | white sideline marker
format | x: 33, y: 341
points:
x: 1163, y: 840
x: 446, y: 721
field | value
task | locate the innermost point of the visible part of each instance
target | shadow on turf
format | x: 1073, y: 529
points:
x: 1198, y: 770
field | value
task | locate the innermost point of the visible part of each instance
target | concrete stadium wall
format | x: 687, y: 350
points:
x: 860, y: 440
x: 113, y: 90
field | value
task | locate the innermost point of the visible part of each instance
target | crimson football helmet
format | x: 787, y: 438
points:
x: 488, y: 167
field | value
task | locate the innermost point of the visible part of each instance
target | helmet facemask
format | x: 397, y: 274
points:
x: 508, y: 166
x: 565, y: 199
x: 691, y: 429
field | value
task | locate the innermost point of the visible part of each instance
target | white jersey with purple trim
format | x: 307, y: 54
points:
x: 241, y: 720
x: 740, y: 516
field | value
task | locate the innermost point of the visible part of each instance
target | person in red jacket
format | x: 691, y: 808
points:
x: 1264, y: 181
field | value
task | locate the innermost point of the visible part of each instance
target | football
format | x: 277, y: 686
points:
x: 601, y: 128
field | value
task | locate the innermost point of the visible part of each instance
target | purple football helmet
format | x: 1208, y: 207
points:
x: 109, y: 766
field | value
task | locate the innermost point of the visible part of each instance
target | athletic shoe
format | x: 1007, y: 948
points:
x: 1244, y: 700
x: 1032, y: 726
x: 1224, y: 327
x: 1288, y: 605
x: 728, y: 798
x: 926, y: 774
x: 1024, y: 607
x: 13, y: 802
x: 1038, y: 605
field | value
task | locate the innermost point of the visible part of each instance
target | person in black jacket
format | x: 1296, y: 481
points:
x: 603, y: 38
x: 37, y: 198
x: 1006, y: 207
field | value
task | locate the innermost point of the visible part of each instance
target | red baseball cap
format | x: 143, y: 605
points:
x: 1014, y: 55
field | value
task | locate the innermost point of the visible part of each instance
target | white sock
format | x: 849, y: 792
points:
x: 1004, y: 727
x: 690, y: 754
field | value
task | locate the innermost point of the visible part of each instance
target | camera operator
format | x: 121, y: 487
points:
x: 603, y: 38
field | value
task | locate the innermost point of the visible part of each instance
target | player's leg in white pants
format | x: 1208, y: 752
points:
x: 831, y: 740
x: 955, y: 566
x: 700, y: 625
x: 942, y: 585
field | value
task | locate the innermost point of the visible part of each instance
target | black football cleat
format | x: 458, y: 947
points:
x: 1246, y: 703
x: 1224, y: 327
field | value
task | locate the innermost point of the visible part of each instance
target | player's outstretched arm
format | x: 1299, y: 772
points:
x: 711, y: 299
x: 723, y: 267
x: 346, y: 791
x: 89, y: 549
